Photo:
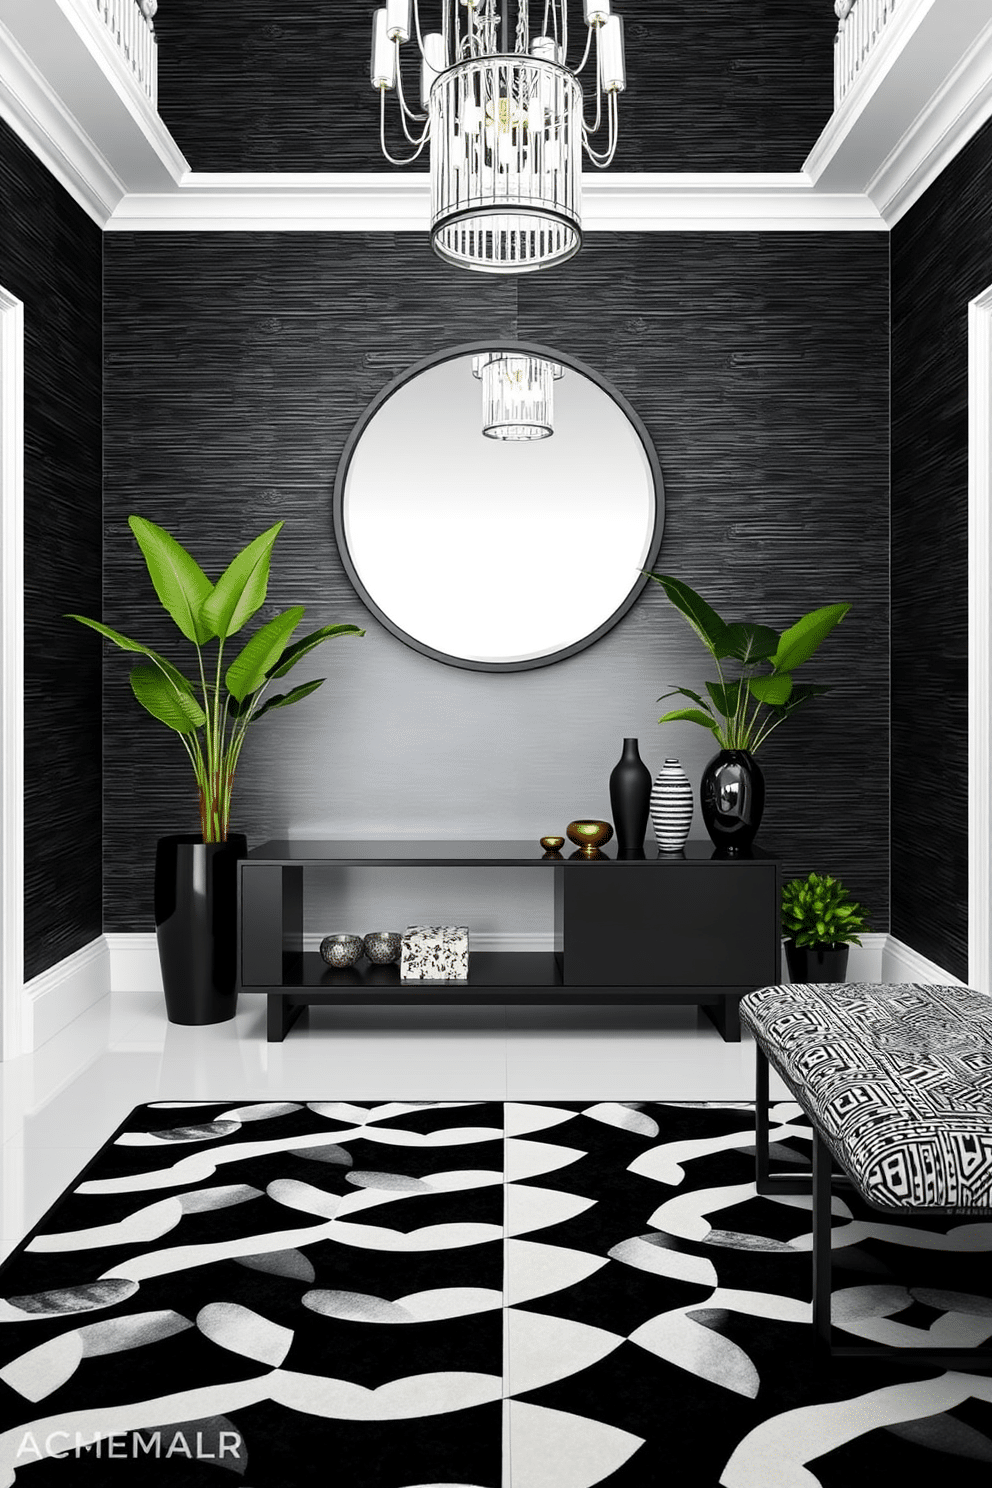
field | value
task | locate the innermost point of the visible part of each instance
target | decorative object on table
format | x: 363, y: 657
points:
x: 671, y: 806
x: 434, y: 953
x: 820, y: 921
x: 503, y: 110
x: 731, y: 793
x: 383, y: 946
x: 732, y: 797
x: 196, y: 906
x: 589, y: 836
x: 552, y: 844
x: 630, y: 798
x: 342, y: 950
x: 211, y: 718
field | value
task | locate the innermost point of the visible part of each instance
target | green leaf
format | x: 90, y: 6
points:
x: 704, y: 620
x: 306, y: 643
x: 128, y: 645
x: 750, y: 643
x: 726, y: 698
x: 178, y: 579
x: 286, y: 699
x: 801, y: 693
x: 774, y: 690
x: 240, y: 590
x: 177, y: 710
x: 251, y: 666
x: 690, y: 715
x: 686, y: 692
x: 802, y: 639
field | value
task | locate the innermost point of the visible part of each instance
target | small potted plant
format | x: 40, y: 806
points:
x: 820, y: 921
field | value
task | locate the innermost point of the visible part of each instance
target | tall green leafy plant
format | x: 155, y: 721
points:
x: 212, y: 713
x: 742, y: 711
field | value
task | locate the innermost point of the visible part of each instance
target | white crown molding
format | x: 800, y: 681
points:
x: 40, y: 120
x: 980, y: 641
x: 958, y: 109
x: 377, y: 202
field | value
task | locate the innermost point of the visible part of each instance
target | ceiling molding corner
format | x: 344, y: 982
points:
x: 40, y: 120
x: 955, y: 113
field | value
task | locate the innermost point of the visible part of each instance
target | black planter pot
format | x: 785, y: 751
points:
x: 630, y: 799
x: 196, y: 925
x: 732, y: 797
x: 816, y: 963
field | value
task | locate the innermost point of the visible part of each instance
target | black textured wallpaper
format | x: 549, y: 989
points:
x: 236, y: 365
x: 50, y: 258
x: 941, y: 259
x: 283, y: 85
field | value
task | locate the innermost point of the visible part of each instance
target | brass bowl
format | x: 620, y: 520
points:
x: 341, y: 950
x: 552, y: 844
x: 590, y: 836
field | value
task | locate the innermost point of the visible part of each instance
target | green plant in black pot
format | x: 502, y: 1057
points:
x: 820, y: 921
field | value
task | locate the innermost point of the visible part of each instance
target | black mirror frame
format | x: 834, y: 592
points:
x: 470, y: 348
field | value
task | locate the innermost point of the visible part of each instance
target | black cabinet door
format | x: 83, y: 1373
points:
x: 670, y: 925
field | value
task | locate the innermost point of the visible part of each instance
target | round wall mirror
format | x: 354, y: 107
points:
x: 498, y: 553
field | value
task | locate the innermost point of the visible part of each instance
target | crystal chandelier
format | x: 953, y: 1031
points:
x: 505, y: 120
x: 517, y: 395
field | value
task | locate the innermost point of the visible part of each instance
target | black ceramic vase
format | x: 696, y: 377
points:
x: 816, y: 963
x: 196, y: 925
x: 732, y: 796
x: 630, y: 799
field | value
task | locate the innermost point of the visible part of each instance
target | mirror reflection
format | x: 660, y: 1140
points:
x: 498, y: 553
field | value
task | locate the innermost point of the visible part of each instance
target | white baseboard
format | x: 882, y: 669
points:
x: 134, y: 964
x: 56, y: 996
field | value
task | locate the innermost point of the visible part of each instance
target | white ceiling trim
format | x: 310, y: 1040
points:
x: 40, y: 119
x: 352, y: 202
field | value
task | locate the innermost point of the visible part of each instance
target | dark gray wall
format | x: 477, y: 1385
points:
x: 941, y: 259
x: 50, y: 258
x: 236, y: 365
x: 283, y: 85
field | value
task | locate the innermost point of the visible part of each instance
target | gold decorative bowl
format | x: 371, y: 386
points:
x: 590, y: 836
x: 552, y: 844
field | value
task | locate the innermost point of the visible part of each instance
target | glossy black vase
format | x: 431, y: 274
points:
x: 630, y: 799
x: 196, y: 925
x: 732, y: 797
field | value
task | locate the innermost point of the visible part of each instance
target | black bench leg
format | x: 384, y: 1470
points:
x: 822, y: 1226
x: 281, y: 1014
x: 766, y: 1182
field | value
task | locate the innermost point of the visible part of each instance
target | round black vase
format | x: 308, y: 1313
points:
x: 816, y: 963
x: 196, y: 925
x: 630, y: 799
x: 732, y: 797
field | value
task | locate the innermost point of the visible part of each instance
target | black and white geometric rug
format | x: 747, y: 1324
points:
x: 475, y: 1295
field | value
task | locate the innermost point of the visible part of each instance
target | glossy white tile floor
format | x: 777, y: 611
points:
x: 59, y: 1105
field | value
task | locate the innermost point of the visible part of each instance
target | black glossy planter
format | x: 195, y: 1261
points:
x: 732, y: 797
x: 196, y: 925
x: 816, y: 963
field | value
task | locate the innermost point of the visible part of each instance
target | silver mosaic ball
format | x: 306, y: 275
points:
x: 341, y: 950
x: 383, y: 946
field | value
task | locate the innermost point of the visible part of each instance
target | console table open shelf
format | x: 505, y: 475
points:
x: 689, y: 927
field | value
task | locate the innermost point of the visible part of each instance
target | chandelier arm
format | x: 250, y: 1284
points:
x: 416, y: 21
x: 564, y: 30
x: 601, y: 161
x: 593, y: 128
x: 393, y: 160
x: 406, y: 112
x: 585, y: 54
x: 522, y: 39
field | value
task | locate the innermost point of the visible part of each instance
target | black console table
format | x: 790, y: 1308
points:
x: 689, y: 927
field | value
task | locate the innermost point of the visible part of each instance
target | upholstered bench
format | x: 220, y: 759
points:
x: 896, y: 1081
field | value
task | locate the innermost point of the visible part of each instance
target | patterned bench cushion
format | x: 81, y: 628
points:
x: 898, y: 1079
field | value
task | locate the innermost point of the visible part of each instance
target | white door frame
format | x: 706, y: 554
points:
x: 980, y: 641
x: 11, y: 675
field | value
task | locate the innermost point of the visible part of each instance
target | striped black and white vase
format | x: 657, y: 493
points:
x: 671, y: 806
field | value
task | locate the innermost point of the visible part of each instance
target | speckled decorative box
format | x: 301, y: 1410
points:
x: 434, y: 953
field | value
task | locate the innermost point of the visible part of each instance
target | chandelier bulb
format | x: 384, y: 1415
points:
x: 383, y: 70
x: 611, y: 60
x: 398, y: 20
x: 597, y: 12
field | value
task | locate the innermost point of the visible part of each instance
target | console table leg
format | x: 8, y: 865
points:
x: 725, y: 1017
x: 281, y: 1014
x: 822, y: 1225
